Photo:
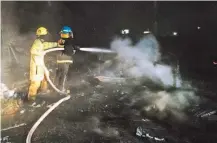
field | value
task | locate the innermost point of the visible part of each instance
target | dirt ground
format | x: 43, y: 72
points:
x: 111, y: 113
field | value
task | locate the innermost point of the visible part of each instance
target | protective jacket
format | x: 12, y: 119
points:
x: 37, y: 58
x: 64, y: 60
x: 65, y: 56
x: 37, y: 72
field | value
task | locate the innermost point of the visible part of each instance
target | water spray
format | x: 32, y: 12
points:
x: 96, y: 50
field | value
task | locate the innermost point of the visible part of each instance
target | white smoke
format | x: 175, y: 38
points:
x: 138, y: 62
x: 5, y: 92
x: 15, y: 45
x: 100, y: 128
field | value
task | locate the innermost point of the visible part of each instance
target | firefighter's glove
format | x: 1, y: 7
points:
x: 75, y: 49
x: 60, y: 42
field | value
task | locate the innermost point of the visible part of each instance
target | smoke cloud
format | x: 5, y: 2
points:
x: 138, y: 62
x: 15, y: 46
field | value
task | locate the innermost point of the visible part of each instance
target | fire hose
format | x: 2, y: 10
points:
x: 95, y: 50
x: 29, y: 136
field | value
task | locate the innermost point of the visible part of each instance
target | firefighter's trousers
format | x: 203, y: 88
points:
x: 35, y: 86
x: 61, y: 75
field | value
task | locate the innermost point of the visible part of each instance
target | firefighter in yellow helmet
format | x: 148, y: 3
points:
x: 37, y: 73
x: 64, y: 58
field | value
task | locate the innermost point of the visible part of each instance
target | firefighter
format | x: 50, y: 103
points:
x: 64, y: 58
x: 37, y: 73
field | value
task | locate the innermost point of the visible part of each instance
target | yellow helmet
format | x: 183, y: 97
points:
x: 41, y: 31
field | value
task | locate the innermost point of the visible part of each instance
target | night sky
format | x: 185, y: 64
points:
x: 109, y: 16
x: 178, y: 16
x: 100, y: 21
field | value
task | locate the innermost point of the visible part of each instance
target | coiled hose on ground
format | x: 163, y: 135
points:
x: 29, y: 136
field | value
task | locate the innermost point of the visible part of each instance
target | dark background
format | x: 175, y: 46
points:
x: 97, y: 23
